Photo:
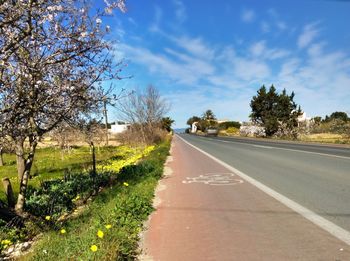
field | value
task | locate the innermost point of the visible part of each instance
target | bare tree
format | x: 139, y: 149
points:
x: 52, y: 59
x: 144, y: 111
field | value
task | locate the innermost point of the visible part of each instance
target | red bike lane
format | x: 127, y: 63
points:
x: 206, y: 212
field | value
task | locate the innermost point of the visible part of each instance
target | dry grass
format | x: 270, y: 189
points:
x: 325, y: 138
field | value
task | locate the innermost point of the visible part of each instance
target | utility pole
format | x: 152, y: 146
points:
x: 105, y: 116
x: 111, y: 100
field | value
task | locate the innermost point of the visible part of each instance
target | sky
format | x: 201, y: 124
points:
x: 215, y: 55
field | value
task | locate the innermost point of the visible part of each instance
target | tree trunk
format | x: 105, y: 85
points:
x: 1, y: 157
x: 92, y: 146
x: 9, y: 192
x: 20, y: 159
x: 25, y: 177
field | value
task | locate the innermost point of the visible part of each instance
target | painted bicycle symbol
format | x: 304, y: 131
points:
x: 214, y: 179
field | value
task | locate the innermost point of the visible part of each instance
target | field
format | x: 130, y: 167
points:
x: 51, y: 163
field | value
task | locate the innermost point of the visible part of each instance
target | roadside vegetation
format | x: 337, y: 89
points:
x: 109, y: 227
x: 276, y: 115
x: 89, y: 201
x: 75, y: 199
x: 53, y: 163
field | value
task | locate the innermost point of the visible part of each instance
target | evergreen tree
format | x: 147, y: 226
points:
x: 276, y: 112
x: 166, y: 123
x: 193, y: 119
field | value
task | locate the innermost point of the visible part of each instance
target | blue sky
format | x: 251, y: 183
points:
x: 215, y: 54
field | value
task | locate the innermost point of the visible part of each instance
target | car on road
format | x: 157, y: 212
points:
x: 212, y: 131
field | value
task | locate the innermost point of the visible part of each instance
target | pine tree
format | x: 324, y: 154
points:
x: 276, y: 112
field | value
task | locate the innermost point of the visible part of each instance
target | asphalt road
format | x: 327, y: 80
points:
x: 208, y: 207
x: 316, y: 177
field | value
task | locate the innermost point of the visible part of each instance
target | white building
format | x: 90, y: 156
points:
x: 194, y: 127
x: 119, y: 127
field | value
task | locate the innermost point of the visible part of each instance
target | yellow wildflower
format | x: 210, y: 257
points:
x: 47, y: 218
x: 6, y: 242
x: 126, y: 184
x: 100, y: 233
x: 63, y: 231
x: 93, y: 248
x: 108, y: 226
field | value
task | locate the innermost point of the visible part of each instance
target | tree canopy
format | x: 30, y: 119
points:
x: 193, y: 119
x: 337, y: 115
x: 53, y: 58
x: 276, y: 112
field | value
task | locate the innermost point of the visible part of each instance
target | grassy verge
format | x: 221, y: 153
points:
x: 325, y: 138
x: 108, y: 228
x: 52, y: 163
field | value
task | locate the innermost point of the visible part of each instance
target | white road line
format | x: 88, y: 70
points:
x: 263, y: 147
x: 310, y: 152
x: 323, y: 223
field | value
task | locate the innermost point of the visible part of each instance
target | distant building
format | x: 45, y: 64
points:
x: 303, y: 118
x: 222, y: 121
x: 119, y: 127
x: 194, y: 127
x: 305, y: 122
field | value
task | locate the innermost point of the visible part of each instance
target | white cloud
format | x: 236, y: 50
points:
x: 248, y: 15
x: 320, y: 82
x: 132, y: 21
x: 195, y: 65
x: 194, y: 46
x: 310, y: 32
x: 158, y: 14
x: 281, y: 25
x: 180, y: 11
x: 259, y: 49
x: 251, y: 70
x: 173, y: 65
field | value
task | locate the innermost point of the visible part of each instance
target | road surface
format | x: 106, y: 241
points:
x: 206, y: 209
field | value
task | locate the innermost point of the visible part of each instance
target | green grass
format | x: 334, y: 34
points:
x: 51, y: 163
x: 125, y: 206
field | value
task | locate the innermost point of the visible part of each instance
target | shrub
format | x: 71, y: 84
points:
x: 232, y: 130
x: 229, y: 124
x: 55, y: 197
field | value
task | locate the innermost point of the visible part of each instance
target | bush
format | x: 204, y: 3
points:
x: 138, y: 134
x: 229, y: 124
x: 232, y: 130
x: 55, y: 197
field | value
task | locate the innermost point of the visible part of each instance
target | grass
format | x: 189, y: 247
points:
x: 51, y: 163
x: 325, y: 138
x: 125, y: 207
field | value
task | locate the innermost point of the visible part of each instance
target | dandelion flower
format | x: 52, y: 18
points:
x: 100, y: 233
x: 93, y: 248
x: 126, y: 184
x: 63, y: 231
x: 6, y: 242
x: 108, y: 226
x: 47, y: 218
